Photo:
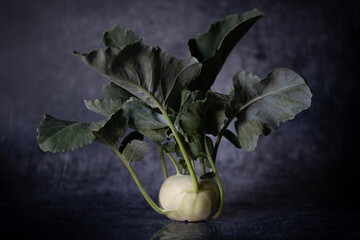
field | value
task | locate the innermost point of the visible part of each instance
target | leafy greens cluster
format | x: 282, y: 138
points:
x: 169, y: 101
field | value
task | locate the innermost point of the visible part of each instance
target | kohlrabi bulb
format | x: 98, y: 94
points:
x: 176, y: 194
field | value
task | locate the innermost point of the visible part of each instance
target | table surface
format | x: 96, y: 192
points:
x: 112, y: 216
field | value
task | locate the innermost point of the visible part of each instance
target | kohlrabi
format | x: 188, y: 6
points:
x: 169, y: 101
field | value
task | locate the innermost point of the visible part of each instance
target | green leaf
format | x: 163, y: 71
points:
x: 188, y: 98
x: 131, y: 136
x: 135, y: 150
x: 213, y: 112
x: 169, y: 147
x: 114, y: 91
x: 198, y: 117
x: 260, y: 105
x: 118, y: 37
x: 56, y: 135
x: 210, y: 146
x: 229, y: 135
x: 202, y: 116
x: 146, y: 120
x: 114, y: 128
x: 146, y: 72
x: 212, y: 48
x: 103, y: 106
x: 194, y: 149
x: 207, y: 175
x: 183, y: 165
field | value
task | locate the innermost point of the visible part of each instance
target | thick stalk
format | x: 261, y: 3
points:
x: 163, y: 164
x: 136, y: 179
x: 226, y: 125
x: 193, y: 166
x: 175, y: 164
x: 220, y: 135
x: 176, y: 136
x: 182, y: 149
x: 202, y: 166
x: 221, y: 189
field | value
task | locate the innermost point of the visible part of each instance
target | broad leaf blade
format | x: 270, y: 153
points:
x: 131, y: 136
x: 56, y: 135
x: 261, y: 105
x: 208, y: 175
x: 212, y: 48
x: 169, y: 147
x: 114, y: 128
x: 146, y: 72
x: 135, y: 150
x: 201, y: 116
x: 114, y: 91
x: 229, y: 135
x: 198, y: 117
x: 118, y: 37
x: 146, y: 120
x: 214, y: 112
x: 103, y: 106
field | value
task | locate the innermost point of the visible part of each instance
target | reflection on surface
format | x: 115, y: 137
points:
x: 183, y: 230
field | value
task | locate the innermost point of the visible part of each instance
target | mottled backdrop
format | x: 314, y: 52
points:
x: 313, y: 155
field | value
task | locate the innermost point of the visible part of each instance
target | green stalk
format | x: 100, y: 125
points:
x: 193, y: 166
x: 221, y: 189
x: 182, y: 149
x: 202, y: 166
x: 221, y: 134
x: 136, y: 179
x: 176, y: 136
x: 226, y: 125
x: 163, y: 164
x: 175, y: 164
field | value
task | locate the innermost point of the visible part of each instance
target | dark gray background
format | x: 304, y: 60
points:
x: 312, y: 157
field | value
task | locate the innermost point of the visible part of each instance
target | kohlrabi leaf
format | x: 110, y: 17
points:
x: 135, y: 150
x: 261, y: 105
x: 114, y: 91
x: 198, y: 117
x: 212, y: 48
x: 229, y: 135
x: 56, y: 135
x: 114, y: 128
x: 207, y: 175
x: 146, y: 72
x: 194, y: 149
x: 169, y: 147
x: 131, y: 136
x: 183, y: 165
x: 213, y: 112
x: 210, y: 146
x: 118, y: 37
x: 146, y: 120
x: 103, y: 106
x: 202, y: 116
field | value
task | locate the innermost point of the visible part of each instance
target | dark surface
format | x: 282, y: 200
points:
x: 301, y: 182
x: 114, y: 217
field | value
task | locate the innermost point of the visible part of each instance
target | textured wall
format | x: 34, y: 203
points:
x: 313, y: 154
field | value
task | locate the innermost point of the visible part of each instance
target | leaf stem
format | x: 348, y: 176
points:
x: 193, y: 166
x: 182, y: 149
x: 202, y: 166
x: 179, y: 142
x: 176, y: 136
x: 163, y: 164
x: 226, y: 125
x: 220, y: 135
x: 175, y: 164
x: 133, y: 174
x: 221, y: 189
